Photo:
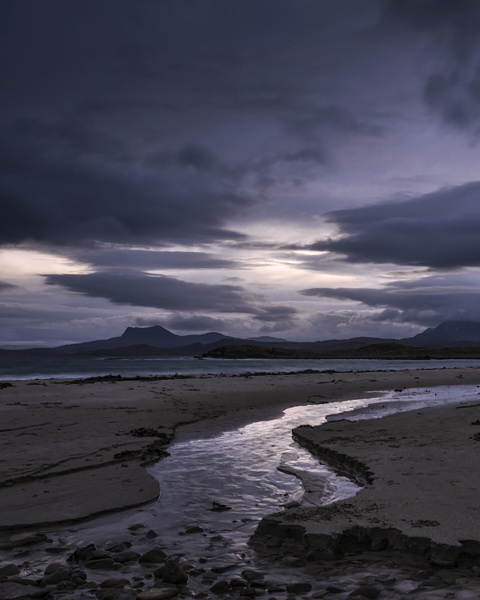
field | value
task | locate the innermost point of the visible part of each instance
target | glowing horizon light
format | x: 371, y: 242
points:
x: 19, y: 262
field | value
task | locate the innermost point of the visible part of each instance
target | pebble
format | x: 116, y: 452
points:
x: 9, y: 569
x: 14, y: 591
x: 221, y: 587
x: 115, y: 594
x: 102, y: 563
x: 23, y: 539
x: 114, y: 582
x: 53, y: 567
x: 155, y: 555
x: 82, y: 554
x: 252, y: 575
x: 172, y: 571
x: 136, y: 527
x: 335, y: 589
x: 365, y: 579
x: 117, y: 547
x: 126, y: 556
x: 57, y: 576
x: 151, y: 534
x: 247, y: 592
x: 366, y: 591
x: 194, y: 529
x: 299, y: 588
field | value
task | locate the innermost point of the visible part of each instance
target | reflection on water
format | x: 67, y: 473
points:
x: 238, y: 473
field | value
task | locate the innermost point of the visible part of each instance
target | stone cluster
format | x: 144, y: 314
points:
x: 116, y: 571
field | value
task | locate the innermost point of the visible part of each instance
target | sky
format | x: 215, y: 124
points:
x: 303, y: 169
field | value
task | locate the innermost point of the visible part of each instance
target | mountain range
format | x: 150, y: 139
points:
x: 158, y: 341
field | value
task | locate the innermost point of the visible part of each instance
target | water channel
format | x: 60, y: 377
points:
x: 215, y: 490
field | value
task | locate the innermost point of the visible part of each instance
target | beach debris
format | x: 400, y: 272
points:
x: 165, y: 436
x: 425, y: 523
x: 219, y: 507
x: 148, y: 455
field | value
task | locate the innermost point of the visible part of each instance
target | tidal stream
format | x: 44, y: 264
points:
x: 215, y: 490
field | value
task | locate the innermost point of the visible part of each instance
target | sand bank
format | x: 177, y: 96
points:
x: 421, y: 470
x: 71, y: 449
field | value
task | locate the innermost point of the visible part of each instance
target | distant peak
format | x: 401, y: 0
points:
x: 455, y: 331
x: 131, y: 331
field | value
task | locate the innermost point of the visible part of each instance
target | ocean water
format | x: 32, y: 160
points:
x: 68, y: 367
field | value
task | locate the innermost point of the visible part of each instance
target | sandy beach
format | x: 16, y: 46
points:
x: 71, y: 450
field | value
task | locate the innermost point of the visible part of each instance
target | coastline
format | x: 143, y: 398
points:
x: 72, y: 450
x: 61, y: 435
x: 418, y: 471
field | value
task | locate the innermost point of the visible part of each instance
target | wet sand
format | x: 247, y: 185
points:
x: 70, y: 450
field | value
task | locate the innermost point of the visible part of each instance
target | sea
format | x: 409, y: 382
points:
x: 73, y: 367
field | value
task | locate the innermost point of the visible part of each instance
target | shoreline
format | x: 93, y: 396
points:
x: 419, y: 470
x: 72, y: 450
x: 74, y: 428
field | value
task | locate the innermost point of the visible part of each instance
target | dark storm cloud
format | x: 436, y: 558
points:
x: 276, y: 318
x: 256, y: 173
x: 6, y: 286
x: 149, y: 260
x: 109, y: 108
x: 453, y: 88
x: 68, y: 138
x: 197, y: 323
x: 276, y: 313
x: 426, y: 301
x: 191, y: 155
x: 62, y: 202
x: 459, y: 21
x: 438, y: 230
x: 156, y: 291
x: 313, y: 120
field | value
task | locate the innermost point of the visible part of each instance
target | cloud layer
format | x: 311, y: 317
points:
x: 197, y: 163
x: 424, y: 301
x: 438, y: 230
x: 156, y: 291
